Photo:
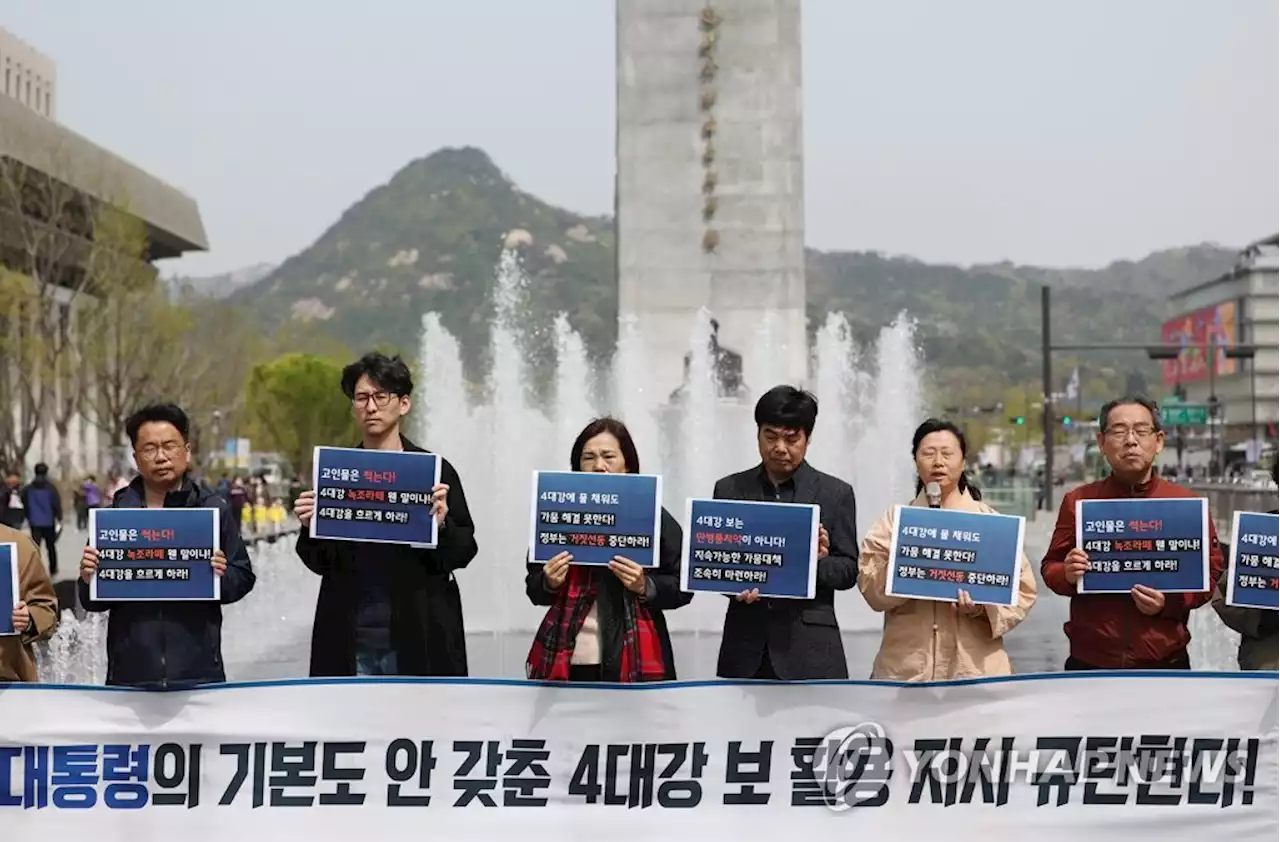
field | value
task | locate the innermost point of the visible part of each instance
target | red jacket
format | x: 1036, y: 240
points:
x: 1107, y: 630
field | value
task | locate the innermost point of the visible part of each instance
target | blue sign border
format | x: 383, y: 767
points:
x: 217, y: 545
x: 657, y: 520
x: 1231, y: 562
x: 1204, y: 541
x: 686, y: 549
x: 17, y: 597
x: 1016, y: 574
x: 315, y: 486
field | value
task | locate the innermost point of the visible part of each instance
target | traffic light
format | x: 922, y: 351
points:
x: 1018, y: 419
x: 1066, y: 420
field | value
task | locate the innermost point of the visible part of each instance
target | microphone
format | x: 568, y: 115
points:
x: 934, y: 492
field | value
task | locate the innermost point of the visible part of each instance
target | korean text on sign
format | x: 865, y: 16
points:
x: 595, y: 517
x: 154, y: 554
x: 1251, y: 573
x: 936, y: 553
x: 1162, y: 543
x: 732, y: 546
x: 379, y: 496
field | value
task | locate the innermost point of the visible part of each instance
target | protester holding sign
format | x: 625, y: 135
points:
x: 606, y: 624
x: 1258, y: 627
x: 33, y: 614
x: 1145, y: 628
x: 926, y: 639
x: 389, y: 608
x: 791, y: 639
x: 169, y: 644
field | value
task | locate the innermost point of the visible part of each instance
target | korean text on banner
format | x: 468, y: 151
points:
x: 595, y: 516
x: 1252, y: 575
x: 148, y: 555
x: 935, y: 553
x: 1162, y: 543
x: 732, y: 546
x: 381, y: 496
x: 9, y: 594
x: 1122, y: 756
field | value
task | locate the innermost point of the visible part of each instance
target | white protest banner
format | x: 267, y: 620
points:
x: 1156, y: 756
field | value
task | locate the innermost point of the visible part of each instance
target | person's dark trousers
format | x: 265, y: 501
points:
x: 1183, y: 663
x: 49, y: 536
x: 766, y: 672
x: 585, y: 672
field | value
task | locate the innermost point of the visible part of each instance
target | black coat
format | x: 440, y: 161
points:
x: 801, y: 636
x: 171, y: 645
x: 662, y: 593
x: 427, y: 631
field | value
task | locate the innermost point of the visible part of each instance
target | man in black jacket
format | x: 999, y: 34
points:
x: 791, y: 639
x: 389, y: 609
x: 169, y: 645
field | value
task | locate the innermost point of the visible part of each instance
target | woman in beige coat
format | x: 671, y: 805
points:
x: 927, y: 640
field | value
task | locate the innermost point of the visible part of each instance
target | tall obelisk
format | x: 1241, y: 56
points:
x: 710, y: 186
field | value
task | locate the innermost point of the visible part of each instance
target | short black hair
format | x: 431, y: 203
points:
x: 389, y: 373
x: 789, y: 408
x: 158, y: 413
x: 42, y: 470
x: 1104, y: 416
x: 613, y: 427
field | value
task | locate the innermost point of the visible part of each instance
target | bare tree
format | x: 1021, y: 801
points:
x: 21, y: 353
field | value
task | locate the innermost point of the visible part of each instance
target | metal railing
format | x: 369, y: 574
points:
x: 1226, y: 499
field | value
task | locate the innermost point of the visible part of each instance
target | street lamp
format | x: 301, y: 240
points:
x: 1247, y: 353
x: 1161, y: 352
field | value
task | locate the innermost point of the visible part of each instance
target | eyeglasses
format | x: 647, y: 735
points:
x: 1122, y: 433
x: 380, y: 399
x: 169, y: 449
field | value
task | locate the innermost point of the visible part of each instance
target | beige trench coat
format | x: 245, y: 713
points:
x: 926, y: 640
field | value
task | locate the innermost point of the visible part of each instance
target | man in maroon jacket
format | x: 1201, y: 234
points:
x: 1143, y: 629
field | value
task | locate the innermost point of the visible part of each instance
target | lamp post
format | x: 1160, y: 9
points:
x: 1163, y: 353
x: 1247, y: 353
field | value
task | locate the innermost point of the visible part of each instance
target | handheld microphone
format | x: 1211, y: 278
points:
x: 934, y: 492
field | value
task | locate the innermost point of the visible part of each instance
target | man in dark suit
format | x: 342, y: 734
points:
x: 791, y: 639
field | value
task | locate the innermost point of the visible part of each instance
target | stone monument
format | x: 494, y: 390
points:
x: 710, y: 188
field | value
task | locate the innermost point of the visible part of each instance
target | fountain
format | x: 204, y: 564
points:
x: 869, y: 403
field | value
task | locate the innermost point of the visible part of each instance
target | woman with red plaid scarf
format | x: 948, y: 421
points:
x: 606, y: 624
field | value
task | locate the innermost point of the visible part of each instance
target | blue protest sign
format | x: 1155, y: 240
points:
x: 731, y: 546
x: 380, y: 496
x: 147, y: 555
x: 1162, y: 543
x: 596, y: 516
x: 936, y: 553
x: 1251, y: 574
x: 8, y: 586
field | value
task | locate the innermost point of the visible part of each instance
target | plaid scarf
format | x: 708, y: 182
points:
x: 549, y: 656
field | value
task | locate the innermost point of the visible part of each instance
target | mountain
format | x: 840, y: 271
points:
x: 430, y: 238
x: 219, y: 286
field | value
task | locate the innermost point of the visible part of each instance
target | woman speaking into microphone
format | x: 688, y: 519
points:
x: 927, y: 640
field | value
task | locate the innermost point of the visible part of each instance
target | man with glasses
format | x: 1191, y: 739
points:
x: 169, y: 645
x: 389, y: 609
x: 1143, y: 629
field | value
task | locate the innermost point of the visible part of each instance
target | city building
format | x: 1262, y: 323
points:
x: 1238, y: 308
x: 37, y: 155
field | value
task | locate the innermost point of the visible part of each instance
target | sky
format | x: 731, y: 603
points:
x: 1055, y: 132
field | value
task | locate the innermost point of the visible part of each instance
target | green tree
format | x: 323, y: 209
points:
x: 294, y: 404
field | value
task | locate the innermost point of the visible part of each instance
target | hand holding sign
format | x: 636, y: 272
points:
x: 440, y: 501
x: 304, y: 507
x: 824, y: 542
x: 557, y: 570
x: 1076, y: 565
x: 21, y: 617
x: 966, y: 605
x: 219, y: 563
x: 630, y: 574
x: 1149, y: 600
x: 88, y: 564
